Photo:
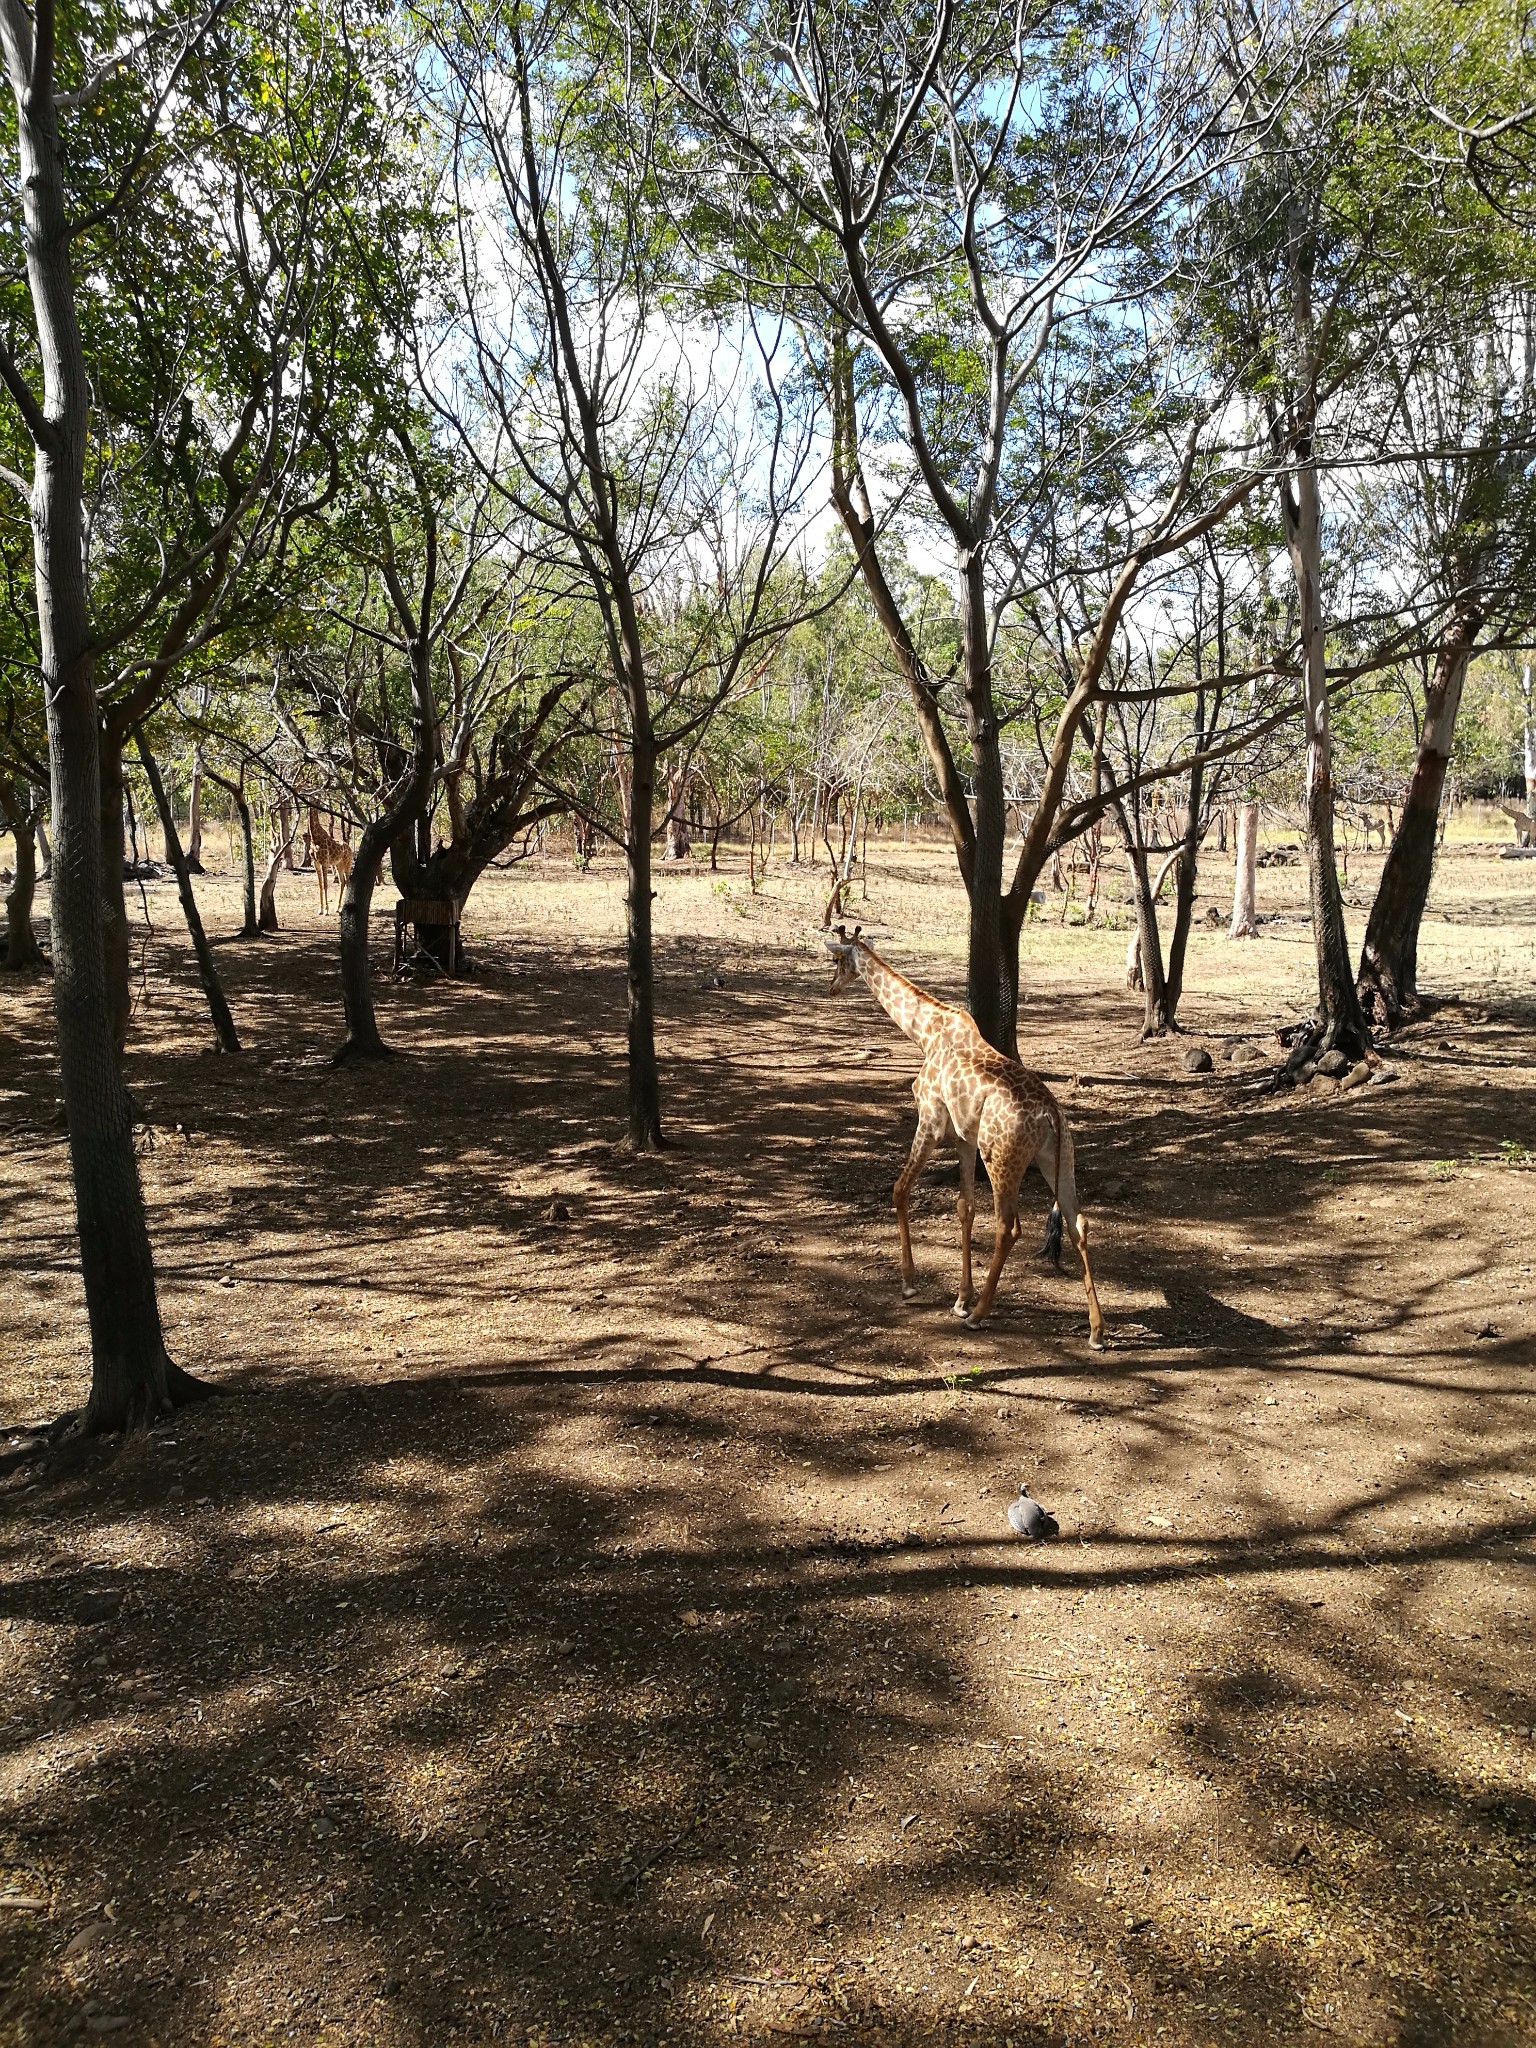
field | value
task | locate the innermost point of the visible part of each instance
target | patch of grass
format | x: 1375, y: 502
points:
x: 1444, y: 1169
x: 1513, y: 1153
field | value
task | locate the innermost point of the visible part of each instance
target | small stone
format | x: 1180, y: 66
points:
x: 1335, y: 1064
x: 87, y: 1939
x: 754, y: 1738
x: 1322, y: 1084
x: 1358, y: 1076
x: 325, y: 1827
x: 1198, y: 1061
x: 557, y: 1212
x: 1245, y: 1055
x: 691, y: 1618
x: 1383, y: 1075
x: 100, y: 1606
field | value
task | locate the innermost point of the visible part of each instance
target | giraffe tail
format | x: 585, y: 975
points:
x: 1051, y: 1245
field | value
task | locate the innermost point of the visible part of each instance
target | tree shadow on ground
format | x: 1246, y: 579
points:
x: 643, y: 1659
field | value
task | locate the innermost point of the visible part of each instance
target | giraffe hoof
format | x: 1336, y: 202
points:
x: 1096, y: 1341
x: 908, y: 1293
x: 962, y: 1306
x: 975, y: 1322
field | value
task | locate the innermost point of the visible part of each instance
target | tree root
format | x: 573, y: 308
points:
x: 357, y: 1049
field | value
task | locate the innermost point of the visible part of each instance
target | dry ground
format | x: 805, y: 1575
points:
x: 607, y: 1629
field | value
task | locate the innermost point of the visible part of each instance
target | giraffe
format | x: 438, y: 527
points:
x: 331, y: 856
x: 988, y: 1103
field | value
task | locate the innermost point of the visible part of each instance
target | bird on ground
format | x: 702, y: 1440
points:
x: 1026, y: 1517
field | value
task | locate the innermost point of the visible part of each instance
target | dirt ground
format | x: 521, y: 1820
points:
x: 590, y: 1617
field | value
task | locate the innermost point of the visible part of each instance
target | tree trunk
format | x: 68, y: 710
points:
x: 22, y: 952
x: 1186, y: 875
x: 1012, y: 911
x: 1156, y: 1014
x: 131, y: 1377
x: 113, y: 910
x: 166, y: 834
x: 195, y: 814
x: 250, y: 927
x: 676, y: 831
x: 1340, y: 1022
x: 1389, y: 959
x: 281, y: 856
x: 208, y: 974
x: 644, y: 1079
x: 984, y: 948
x: 362, y: 1040
x: 1245, y: 911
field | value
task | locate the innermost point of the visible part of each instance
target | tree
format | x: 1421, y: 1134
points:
x: 132, y: 1377
x: 651, y: 452
x: 960, y: 195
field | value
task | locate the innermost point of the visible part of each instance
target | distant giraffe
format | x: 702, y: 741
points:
x: 987, y: 1103
x: 331, y: 857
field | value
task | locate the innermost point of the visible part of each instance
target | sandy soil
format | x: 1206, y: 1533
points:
x: 590, y: 1616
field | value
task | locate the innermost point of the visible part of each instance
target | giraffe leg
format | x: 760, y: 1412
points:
x: 966, y: 1210
x: 927, y: 1135
x: 1007, y: 1238
x: 1064, y: 1186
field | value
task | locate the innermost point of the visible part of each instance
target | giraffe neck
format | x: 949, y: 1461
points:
x: 911, y: 1009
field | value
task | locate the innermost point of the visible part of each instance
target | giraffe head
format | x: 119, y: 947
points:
x: 845, y: 957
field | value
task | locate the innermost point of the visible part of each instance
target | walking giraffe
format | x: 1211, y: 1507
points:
x: 967, y: 1090
x: 331, y: 856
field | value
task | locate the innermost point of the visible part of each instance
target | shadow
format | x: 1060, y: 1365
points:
x: 604, y: 1629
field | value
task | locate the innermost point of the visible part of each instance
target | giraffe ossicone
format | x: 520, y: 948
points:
x: 970, y: 1093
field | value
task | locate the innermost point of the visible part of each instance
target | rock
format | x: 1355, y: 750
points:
x: 100, y: 1606
x: 1245, y: 1055
x: 1027, y: 1518
x: 557, y: 1212
x: 1306, y: 1072
x: 1198, y: 1061
x: 1322, y: 1084
x: 1334, y: 1063
x: 88, y: 1938
x: 1358, y: 1076
x: 1383, y: 1075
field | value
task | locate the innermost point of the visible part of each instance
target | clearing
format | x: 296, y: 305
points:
x: 590, y: 1616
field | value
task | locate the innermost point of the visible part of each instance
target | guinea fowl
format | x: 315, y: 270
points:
x: 1027, y: 1518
